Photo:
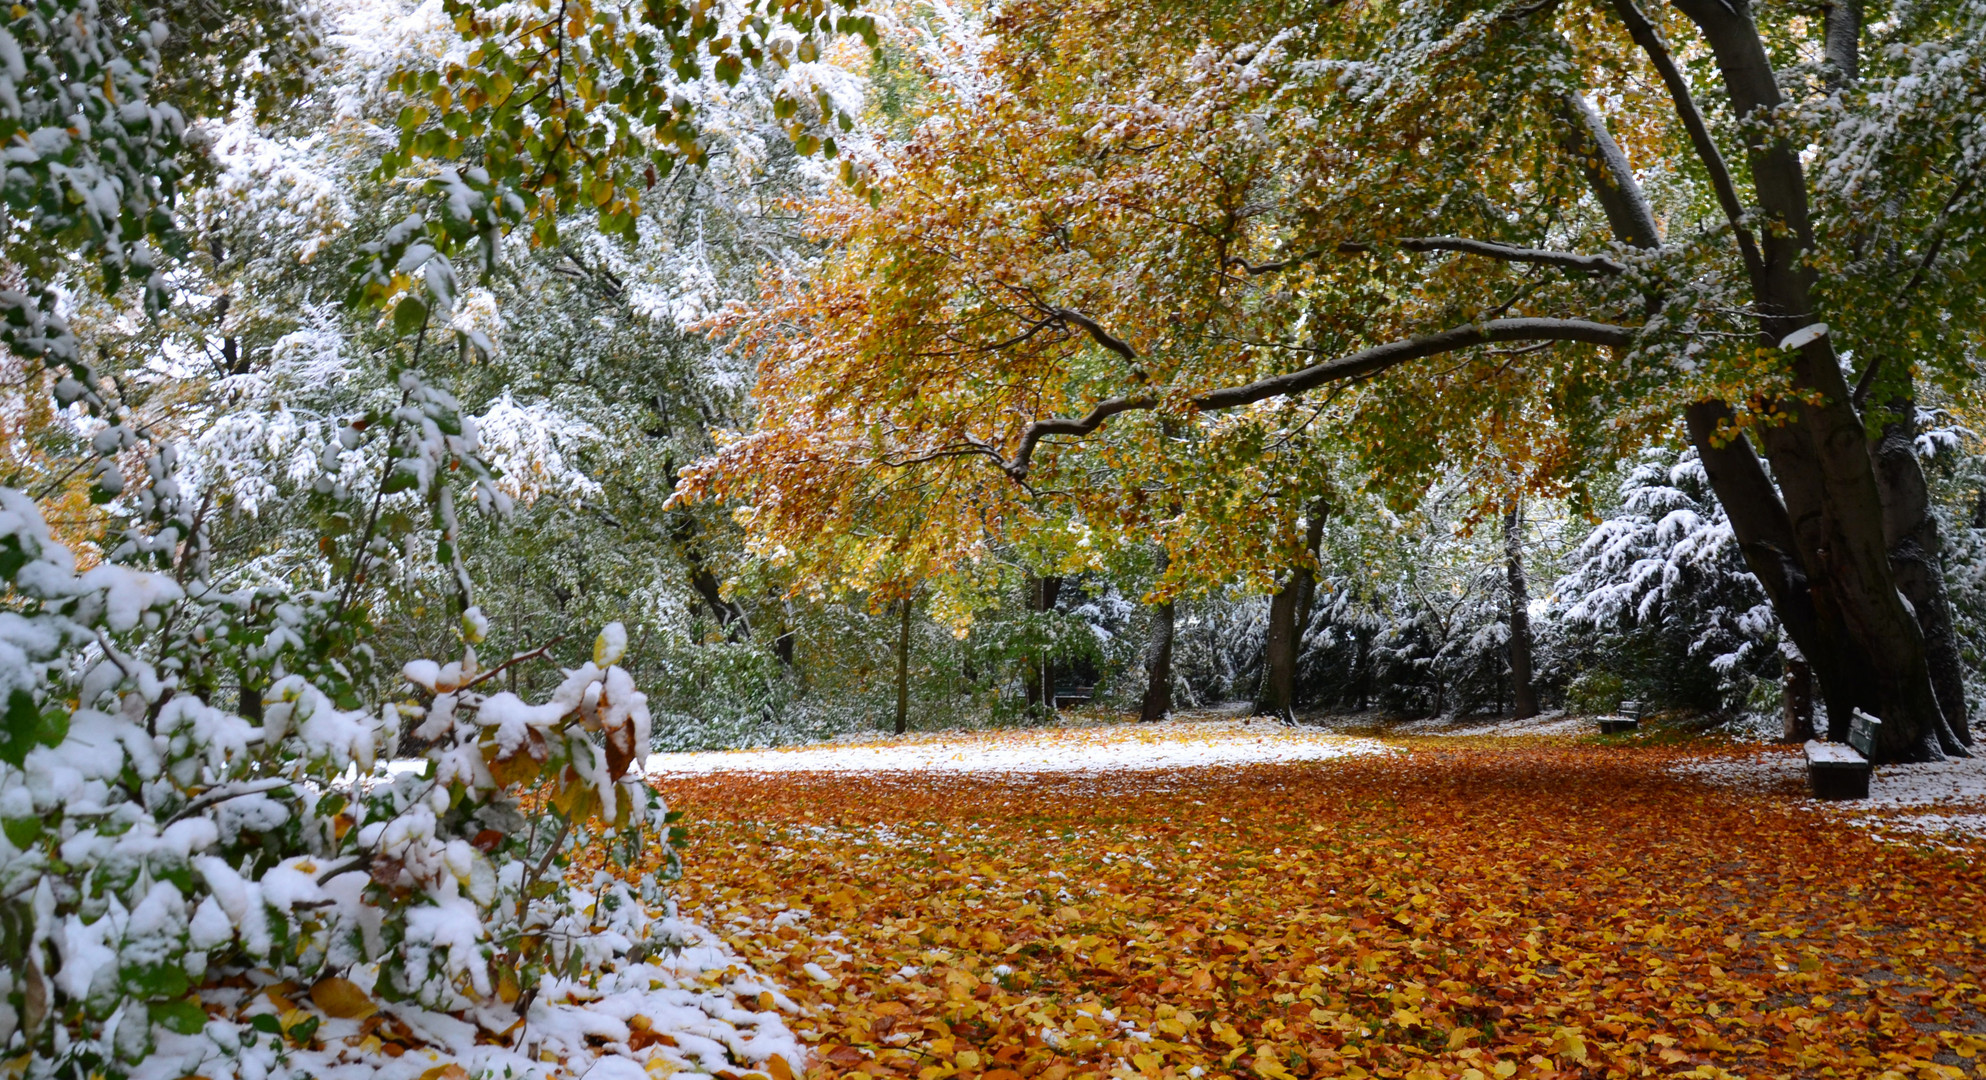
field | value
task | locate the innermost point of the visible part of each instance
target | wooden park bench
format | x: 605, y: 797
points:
x: 1074, y: 693
x: 1841, y: 770
x: 1625, y: 719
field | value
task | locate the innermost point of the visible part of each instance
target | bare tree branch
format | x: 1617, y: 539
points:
x: 1593, y: 264
x: 1380, y: 357
x: 1650, y: 39
x: 1032, y: 435
x: 1102, y: 337
x: 1597, y: 264
x: 1365, y: 362
x: 1257, y: 269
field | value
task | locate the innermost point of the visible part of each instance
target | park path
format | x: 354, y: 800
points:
x: 1474, y: 908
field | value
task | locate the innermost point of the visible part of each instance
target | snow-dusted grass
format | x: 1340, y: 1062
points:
x: 1189, y: 742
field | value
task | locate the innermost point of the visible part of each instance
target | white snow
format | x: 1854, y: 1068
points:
x: 1944, y: 797
x: 1174, y: 744
x: 1804, y: 336
x: 1551, y: 723
x: 699, y: 994
x: 1833, y: 754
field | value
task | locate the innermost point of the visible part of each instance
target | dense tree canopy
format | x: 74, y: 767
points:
x: 1520, y: 239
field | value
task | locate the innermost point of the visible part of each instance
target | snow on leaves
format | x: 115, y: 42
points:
x: 165, y: 860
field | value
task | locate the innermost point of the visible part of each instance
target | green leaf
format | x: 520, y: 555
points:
x: 54, y: 728
x: 185, y: 1016
x: 302, y: 1030
x: 12, y: 558
x: 21, y: 832
x: 164, y: 980
x: 20, y: 729
x: 400, y: 480
x: 409, y: 315
x: 266, y: 1023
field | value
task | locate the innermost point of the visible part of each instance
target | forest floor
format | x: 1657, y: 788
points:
x: 1211, y: 898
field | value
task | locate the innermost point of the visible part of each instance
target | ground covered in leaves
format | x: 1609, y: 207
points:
x: 1458, y: 908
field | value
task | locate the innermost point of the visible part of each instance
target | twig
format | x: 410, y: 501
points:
x: 515, y: 659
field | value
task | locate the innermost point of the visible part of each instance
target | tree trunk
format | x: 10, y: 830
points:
x: 1915, y: 549
x: 784, y: 644
x: 1158, y: 664
x: 1523, y: 695
x: 1289, y: 608
x: 1867, y: 648
x: 1362, y: 652
x: 1039, y: 678
x: 1821, y: 460
x: 903, y: 669
x: 1798, y: 687
x: 1759, y: 519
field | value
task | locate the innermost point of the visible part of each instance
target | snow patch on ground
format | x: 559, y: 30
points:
x: 694, y: 1007
x: 1936, y: 798
x: 1555, y: 722
x: 1551, y: 723
x: 1184, y: 743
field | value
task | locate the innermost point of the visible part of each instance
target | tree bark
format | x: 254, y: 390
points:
x: 1915, y: 550
x: 903, y: 669
x: 1759, y: 520
x: 1158, y: 664
x: 1289, y: 609
x: 1039, y: 678
x: 1523, y: 694
x: 1867, y: 648
x: 1797, y: 685
x: 1821, y: 460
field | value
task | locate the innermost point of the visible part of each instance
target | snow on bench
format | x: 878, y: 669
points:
x: 1841, y: 770
x: 1627, y: 719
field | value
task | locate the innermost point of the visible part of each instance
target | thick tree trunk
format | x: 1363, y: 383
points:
x: 1523, y: 694
x: 1915, y: 550
x: 1763, y: 528
x: 1279, y: 648
x: 1821, y: 460
x: 1289, y: 608
x: 1867, y: 648
x: 1158, y: 664
x: 903, y: 669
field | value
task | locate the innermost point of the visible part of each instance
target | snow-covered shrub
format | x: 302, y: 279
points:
x: 165, y: 856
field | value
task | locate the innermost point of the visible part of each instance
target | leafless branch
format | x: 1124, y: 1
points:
x: 1032, y: 435
x: 1592, y: 264
x: 1649, y: 38
x: 1257, y: 269
x: 528, y: 654
x: 1359, y: 364
x: 1098, y: 333
x: 1380, y: 357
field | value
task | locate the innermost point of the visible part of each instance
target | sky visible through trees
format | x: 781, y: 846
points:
x: 1193, y: 473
